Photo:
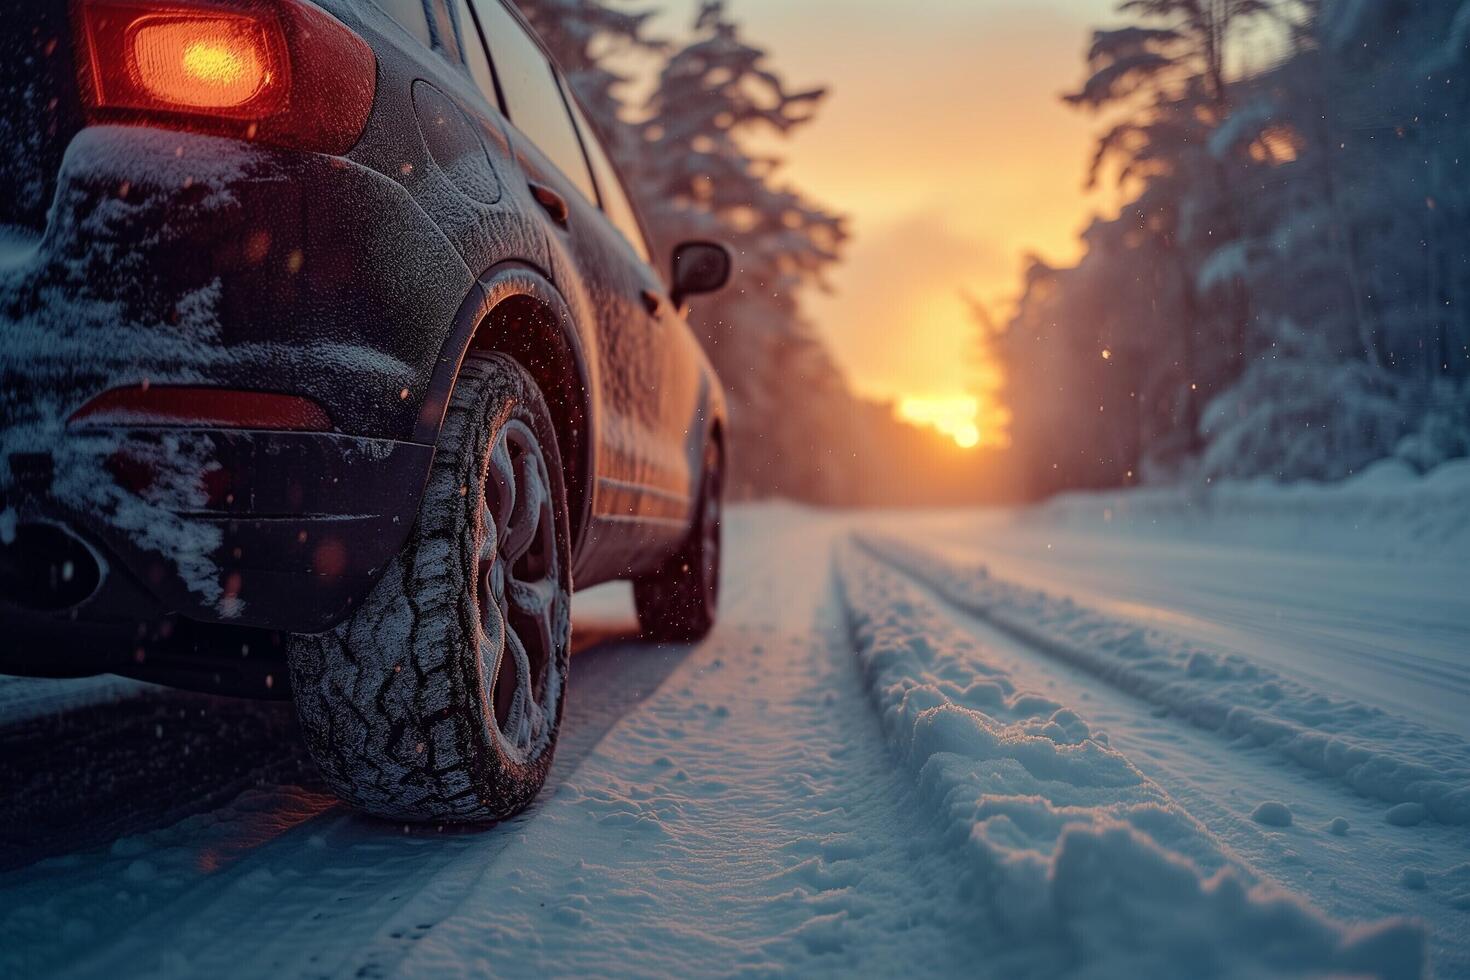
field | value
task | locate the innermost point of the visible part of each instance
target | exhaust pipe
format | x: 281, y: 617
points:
x: 44, y: 567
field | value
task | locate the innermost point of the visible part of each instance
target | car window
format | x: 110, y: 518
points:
x: 410, y: 15
x: 443, y: 29
x: 474, y: 52
x: 614, y: 201
x: 532, y: 99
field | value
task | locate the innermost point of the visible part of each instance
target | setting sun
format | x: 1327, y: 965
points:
x: 956, y: 416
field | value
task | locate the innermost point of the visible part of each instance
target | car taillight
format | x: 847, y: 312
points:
x: 226, y: 65
x: 278, y: 71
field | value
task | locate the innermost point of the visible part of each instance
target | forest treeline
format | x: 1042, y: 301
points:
x: 1285, y: 291
x: 685, y: 149
x: 1282, y: 292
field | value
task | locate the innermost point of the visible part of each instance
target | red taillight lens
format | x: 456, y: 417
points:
x: 280, y: 71
x: 222, y: 64
x: 219, y: 63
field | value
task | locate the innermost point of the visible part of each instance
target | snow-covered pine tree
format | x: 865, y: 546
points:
x: 1328, y: 187
x: 1358, y: 256
x: 1166, y: 74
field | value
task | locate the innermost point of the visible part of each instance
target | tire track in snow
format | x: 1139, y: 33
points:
x: 1386, y: 632
x: 747, y: 820
x: 1355, y: 873
x: 200, y: 819
x: 725, y: 806
x: 1224, y: 693
x: 1072, y: 860
x: 82, y: 778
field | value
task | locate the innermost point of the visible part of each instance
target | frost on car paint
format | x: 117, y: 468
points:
x: 118, y: 292
x: 61, y: 329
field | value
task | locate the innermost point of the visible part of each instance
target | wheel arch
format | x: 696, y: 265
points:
x: 516, y: 311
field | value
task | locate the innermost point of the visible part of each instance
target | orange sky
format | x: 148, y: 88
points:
x: 944, y: 140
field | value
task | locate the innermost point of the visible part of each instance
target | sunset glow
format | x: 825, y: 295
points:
x: 953, y: 162
x: 957, y: 416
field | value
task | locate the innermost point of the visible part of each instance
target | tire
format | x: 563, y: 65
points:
x: 441, y: 696
x: 680, y: 602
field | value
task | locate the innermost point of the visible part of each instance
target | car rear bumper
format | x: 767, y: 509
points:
x: 277, y: 530
x: 176, y: 259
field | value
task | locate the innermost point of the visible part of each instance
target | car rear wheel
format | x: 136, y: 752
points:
x: 679, y: 602
x: 441, y: 696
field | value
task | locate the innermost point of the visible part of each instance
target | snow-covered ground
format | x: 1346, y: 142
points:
x: 1137, y: 734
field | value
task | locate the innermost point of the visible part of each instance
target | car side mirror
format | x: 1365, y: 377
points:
x: 699, y: 267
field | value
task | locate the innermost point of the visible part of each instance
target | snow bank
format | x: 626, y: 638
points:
x: 1375, y: 753
x: 1071, y: 858
x: 1387, y: 511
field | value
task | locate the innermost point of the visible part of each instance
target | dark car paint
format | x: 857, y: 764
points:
x: 360, y: 281
x: 642, y: 370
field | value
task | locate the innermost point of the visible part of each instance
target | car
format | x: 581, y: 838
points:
x: 331, y: 354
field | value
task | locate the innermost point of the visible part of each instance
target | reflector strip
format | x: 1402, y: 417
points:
x: 191, y: 407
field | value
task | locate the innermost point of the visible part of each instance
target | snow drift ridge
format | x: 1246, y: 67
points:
x: 1217, y: 692
x: 1072, y: 860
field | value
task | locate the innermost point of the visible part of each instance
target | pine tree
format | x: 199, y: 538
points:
x: 1329, y: 188
x: 686, y: 158
x: 699, y: 179
x: 1167, y: 74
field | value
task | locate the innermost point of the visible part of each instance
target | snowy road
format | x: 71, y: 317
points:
x: 948, y: 743
x: 1389, y: 633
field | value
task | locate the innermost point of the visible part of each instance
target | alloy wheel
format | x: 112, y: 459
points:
x: 517, y: 582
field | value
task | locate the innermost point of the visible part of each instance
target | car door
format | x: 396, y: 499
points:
x: 592, y: 259
x: 666, y: 489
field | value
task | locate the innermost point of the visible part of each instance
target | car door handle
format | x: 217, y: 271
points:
x: 652, y: 301
x: 551, y: 202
